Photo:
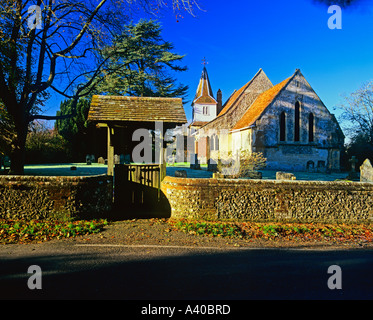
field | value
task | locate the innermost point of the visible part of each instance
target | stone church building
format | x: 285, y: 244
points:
x: 287, y: 122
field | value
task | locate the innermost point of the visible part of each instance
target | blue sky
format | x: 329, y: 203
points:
x: 238, y: 37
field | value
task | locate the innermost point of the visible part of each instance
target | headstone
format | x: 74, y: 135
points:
x: 88, y: 159
x: 285, y: 176
x: 6, y: 162
x: 353, y: 175
x: 101, y: 160
x: 310, y: 166
x: 180, y: 174
x: 212, y: 165
x: 366, y: 171
x: 121, y: 159
x: 321, y: 167
x: 127, y: 159
x: 353, y: 162
x: 194, y: 163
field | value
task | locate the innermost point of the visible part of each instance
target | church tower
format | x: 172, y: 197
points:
x: 205, y: 107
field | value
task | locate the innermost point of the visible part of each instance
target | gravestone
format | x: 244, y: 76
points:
x: 194, y: 164
x: 285, y: 176
x: 6, y: 163
x: 353, y: 175
x: 89, y: 159
x: 321, y: 167
x: 127, y: 159
x: 180, y: 174
x: 101, y: 160
x: 212, y: 165
x: 121, y: 159
x: 311, y: 166
x: 366, y: 171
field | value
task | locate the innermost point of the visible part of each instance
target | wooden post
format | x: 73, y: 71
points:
x: 162, y: 160
x: 110, y: 152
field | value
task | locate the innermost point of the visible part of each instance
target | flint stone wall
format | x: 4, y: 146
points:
x: 55, y: 198
x: 269, y: 200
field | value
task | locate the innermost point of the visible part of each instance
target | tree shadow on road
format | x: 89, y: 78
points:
x: 148, y: 274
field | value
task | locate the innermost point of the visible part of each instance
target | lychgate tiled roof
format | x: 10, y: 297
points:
x: 137, y: 109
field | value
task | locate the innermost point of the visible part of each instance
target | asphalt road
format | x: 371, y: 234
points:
x: 175, y: 273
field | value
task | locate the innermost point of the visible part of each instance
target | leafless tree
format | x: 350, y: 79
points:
x: 358, y: 112
x: 55, y: 49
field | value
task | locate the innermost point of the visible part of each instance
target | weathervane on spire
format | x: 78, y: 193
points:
x: 204, y: 61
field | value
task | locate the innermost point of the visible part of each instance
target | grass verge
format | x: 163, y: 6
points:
x: 278, y: 231
x: 16, y: 231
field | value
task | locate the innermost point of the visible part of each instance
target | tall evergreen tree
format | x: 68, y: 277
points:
x: 140, y: 64
x: 76, y: 130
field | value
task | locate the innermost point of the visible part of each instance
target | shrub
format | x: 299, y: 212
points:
x: 241, y: 164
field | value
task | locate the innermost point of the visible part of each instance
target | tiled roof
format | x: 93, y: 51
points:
x: 233, y: 98
x: 137, y: 109
x: 230, y: 107
x: 198, y: 123
x: 204, y: 92
x: 259, y: 105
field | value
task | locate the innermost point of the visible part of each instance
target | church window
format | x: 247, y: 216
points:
x: 283, y: 126
x: 205, y: 110
x: 297, y: 122
x: 311, y: 122
x: 214, y: 143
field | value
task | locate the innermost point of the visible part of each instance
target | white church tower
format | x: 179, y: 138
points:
x: 205, y: 106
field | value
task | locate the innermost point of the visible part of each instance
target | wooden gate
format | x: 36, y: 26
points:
x: 137, y: 187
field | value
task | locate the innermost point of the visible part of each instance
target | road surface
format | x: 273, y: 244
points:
x: 75, y: 271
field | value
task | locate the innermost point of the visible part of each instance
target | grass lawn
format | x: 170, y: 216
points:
x: 82, y: 169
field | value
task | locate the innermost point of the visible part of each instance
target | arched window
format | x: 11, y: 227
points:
x: 311, y: 122
x: 283, y: 126
x: 214, y: 143
x: 297, y: 122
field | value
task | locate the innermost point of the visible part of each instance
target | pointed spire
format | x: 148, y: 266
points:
x: 204, y: 92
